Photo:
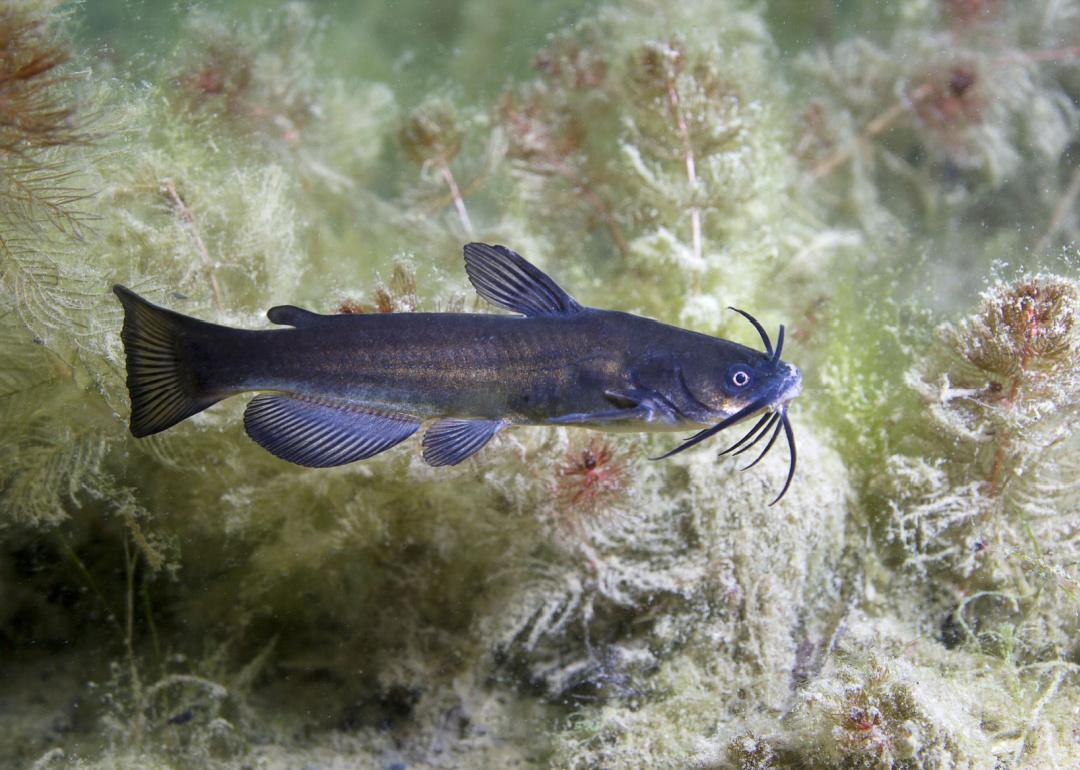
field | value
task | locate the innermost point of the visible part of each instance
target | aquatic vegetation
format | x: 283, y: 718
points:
x: 885, y: 699
x: 591, y: 475
x: 695, y: 138
x: 994, y: 511
x: 919, y: 131
x: 896, y: 184
x: 259, y: 79
x: 756, y: 599
x: 431, y: 137
x: 41, y: 192
x: 398, y: 295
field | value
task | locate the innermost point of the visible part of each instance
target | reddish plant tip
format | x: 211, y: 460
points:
x: 399, y: 296
x: 1037, y: 317
x: 222, y: 82
x: 431, y: 132
x: 384, y: 303
x: 539, y: 133
x: 964, y: 13
x: 815, y: 140
x: 219, y: 78
x: 351, y: 306
x: 952, y: 99
x: 961, y: 79
x: 864, y: 731
x: 34, y: 107
x: 574, y: 65
x: 863, y: 718
x: 592, y: 475
x: 209, y: 80
x: 659, y: 64
x: 1024, y: 337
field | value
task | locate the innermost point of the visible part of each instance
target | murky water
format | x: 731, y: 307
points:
x: 895, y: 183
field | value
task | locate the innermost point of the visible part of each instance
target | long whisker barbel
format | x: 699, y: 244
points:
x: 700, y: 436
x: 772, y: 440
x: 760, y: 330
x: 779, y: 344
x: 764, y: 418
x: 790, y: 435
x: 773, y: 417
x: 769, y: 422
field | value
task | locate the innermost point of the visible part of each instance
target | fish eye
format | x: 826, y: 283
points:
x: 739, y: 376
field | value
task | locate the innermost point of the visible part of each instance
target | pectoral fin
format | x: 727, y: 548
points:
x: 322, y: 434
x: 450, y: 441
x: 630, y: 405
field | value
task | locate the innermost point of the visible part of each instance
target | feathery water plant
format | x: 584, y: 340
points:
x: 560, y: 601
x: 918, y: 132
x: 994, y: 507
x: 42, y: 192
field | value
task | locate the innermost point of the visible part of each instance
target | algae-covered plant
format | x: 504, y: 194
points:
x: 898, y: 184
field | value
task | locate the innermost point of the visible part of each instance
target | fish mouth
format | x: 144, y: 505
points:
x: 792, y: 386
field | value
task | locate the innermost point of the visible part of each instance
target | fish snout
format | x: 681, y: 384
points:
x: 793, y: 384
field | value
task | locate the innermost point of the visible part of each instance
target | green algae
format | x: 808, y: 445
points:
x: 899, y: 189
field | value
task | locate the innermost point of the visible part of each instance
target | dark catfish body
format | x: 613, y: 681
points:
x: 339, y: 388
x: 525, y: 370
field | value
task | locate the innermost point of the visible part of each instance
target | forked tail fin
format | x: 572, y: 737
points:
x: 162, y: 380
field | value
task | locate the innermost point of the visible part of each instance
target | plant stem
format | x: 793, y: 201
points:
x: 691, y: 169
x: 871, y: 130
x: 997, y: 467
x: 130, y: 562
x: 567, y: 172
x: 151, y: 625
x: 90, y: 582
x: 455, y: 194
x: 182, y: 211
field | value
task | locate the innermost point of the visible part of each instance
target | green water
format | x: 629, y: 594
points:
x: 895, y: 183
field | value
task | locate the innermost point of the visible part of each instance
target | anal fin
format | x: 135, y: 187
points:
x: 450, y: 441
x: 322, y: 433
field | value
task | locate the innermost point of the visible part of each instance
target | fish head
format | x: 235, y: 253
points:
x: 730, y: 383
x: 734, y: 377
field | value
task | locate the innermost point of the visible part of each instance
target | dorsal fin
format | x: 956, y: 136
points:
x: 505, y: 278
x: 290, y: 315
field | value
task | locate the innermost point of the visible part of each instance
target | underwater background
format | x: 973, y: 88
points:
x: 898, y: 183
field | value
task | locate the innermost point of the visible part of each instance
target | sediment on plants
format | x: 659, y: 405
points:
x: 898, y: 187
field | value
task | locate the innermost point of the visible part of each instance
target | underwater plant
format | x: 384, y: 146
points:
x: 260, y: 79
x: 885, y: 699
x: 851, y: 169
x: 918, y: 131
x: 995, y: 509
x: 591, y: 474
x: 697, y: 138
x: 431, y: 137
x: 41, y: 191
